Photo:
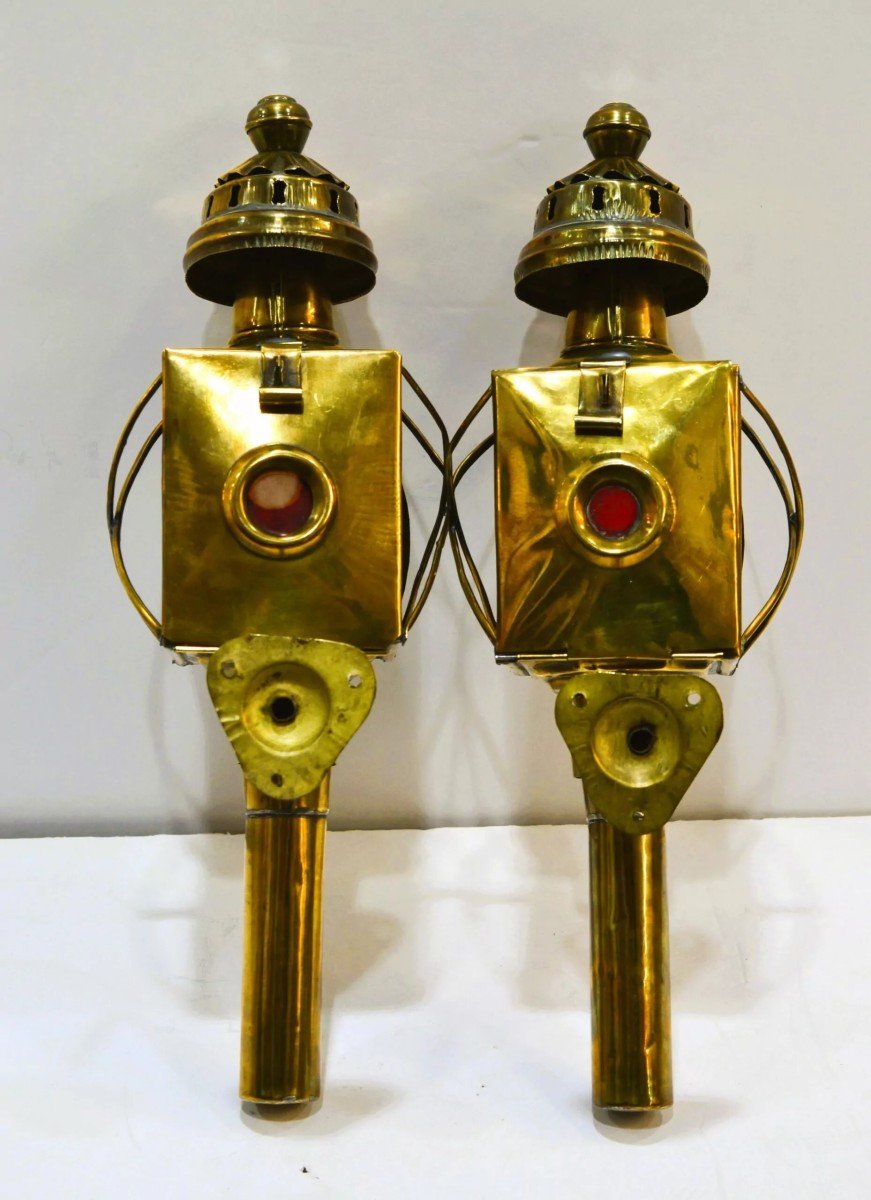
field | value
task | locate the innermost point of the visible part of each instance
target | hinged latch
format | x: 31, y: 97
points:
x: 600, y: 400
x: 281, y: 377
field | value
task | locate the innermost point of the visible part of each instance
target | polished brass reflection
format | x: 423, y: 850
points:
x: 623, y: 622
x: 287, y: 622
x: 281, y: 993
x: 629, y: 957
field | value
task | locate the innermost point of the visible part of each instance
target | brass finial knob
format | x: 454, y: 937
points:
x: 617, y: 130
x: 278, y: 123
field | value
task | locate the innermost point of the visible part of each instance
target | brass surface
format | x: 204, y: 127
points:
x: 616, y: 623
x: 625, y: 311
x: 279, y: 212
x: 597, y: 712
x: 347, y: 586
x: 630, y: 1001
x: 672, y: 589
x: 286, y: 307
x: 614, y: 213
x: 281, y: 989
x: 284, y: 622
x: 289, y: 707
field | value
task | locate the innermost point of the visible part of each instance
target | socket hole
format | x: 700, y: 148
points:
x: 579, y: 700
x: 283, y: 710
x: 641, y: 739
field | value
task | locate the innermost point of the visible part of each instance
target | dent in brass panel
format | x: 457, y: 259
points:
x: 346, y: 588
x: 680, y: 421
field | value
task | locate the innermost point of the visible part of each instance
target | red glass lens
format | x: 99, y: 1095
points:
x: 613, y: 510
x: 278, y: 502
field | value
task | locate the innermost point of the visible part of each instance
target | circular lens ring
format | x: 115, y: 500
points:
x: 632, y: 477
x: 255, y: 528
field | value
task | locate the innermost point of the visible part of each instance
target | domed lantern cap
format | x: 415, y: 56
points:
x: 279, y: 213
x: 614, y: 210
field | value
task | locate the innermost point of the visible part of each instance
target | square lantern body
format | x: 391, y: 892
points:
x: 336, y: 425
x: 665, y: 590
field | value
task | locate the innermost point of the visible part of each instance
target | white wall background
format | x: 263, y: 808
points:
x: 449, y: 121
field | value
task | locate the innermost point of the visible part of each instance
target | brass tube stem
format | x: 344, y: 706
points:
x: 631, y: 1007
x: 286, y: 308
x: 618, y: 310
x: 281, y: 992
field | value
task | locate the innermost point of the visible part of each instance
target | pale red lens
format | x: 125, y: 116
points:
x: 278, y: 502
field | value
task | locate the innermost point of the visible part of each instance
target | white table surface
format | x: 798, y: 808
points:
x: 456, y: 1020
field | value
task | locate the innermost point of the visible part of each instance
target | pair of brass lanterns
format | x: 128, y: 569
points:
x: 619, y: 543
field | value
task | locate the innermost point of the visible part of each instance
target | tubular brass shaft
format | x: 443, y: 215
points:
x: 281, y: 993
x: 630, y: 996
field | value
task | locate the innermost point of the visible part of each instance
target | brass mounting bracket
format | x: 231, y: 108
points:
x: 637, y: 740
x: 289, y: 707
x: 600, y: 400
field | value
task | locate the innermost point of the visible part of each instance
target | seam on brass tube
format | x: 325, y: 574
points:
x: 285, y: 812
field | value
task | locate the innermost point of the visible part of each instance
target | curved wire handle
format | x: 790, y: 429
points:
x: 429, y: 563
x: 473, y: 588
x: 794, y: 504
x: 115, y: 508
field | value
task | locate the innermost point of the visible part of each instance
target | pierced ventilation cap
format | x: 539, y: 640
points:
x: 278, y: 214
x: 614, y: 210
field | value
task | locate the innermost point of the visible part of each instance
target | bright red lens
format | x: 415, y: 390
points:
x: 278, y: 502
x: 613, y: 510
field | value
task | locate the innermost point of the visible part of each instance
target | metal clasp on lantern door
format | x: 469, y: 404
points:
x: 281, y: 377
x: 600, y: 400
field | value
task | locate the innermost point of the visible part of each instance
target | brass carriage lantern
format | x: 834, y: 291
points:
x: 285, y: 545
x: 619, y: 551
